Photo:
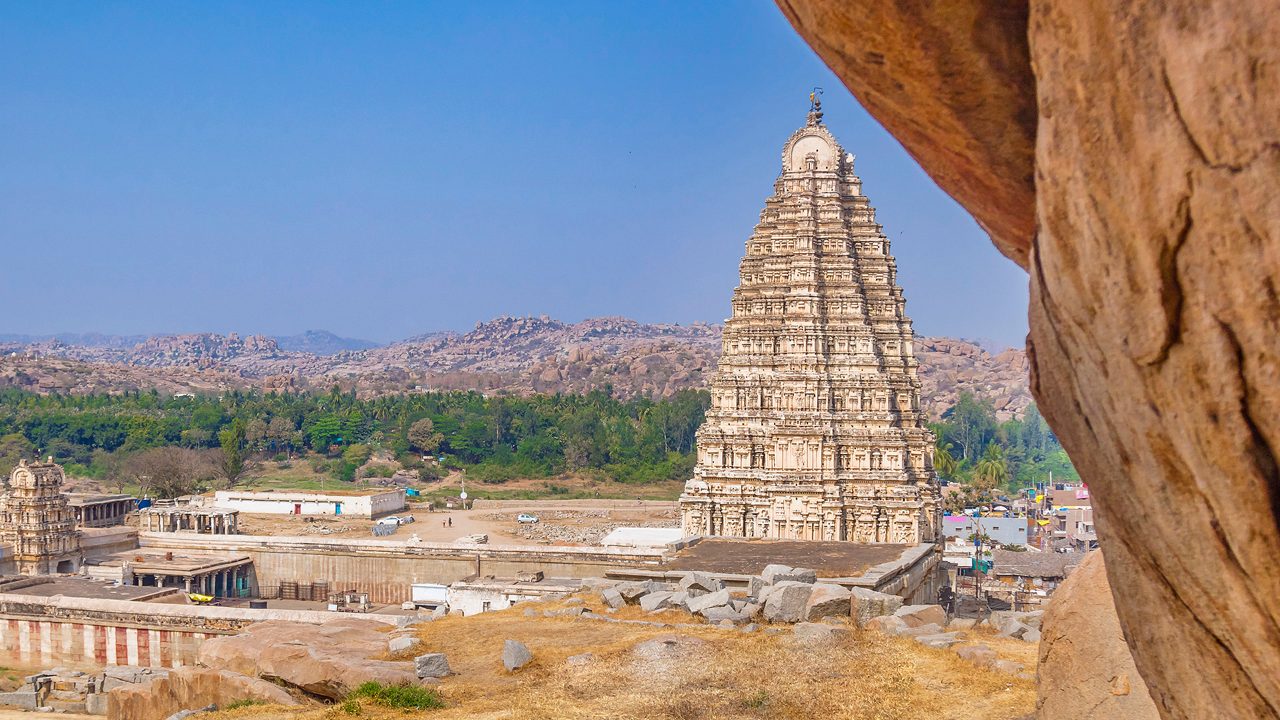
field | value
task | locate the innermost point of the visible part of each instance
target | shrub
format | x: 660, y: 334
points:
x: 399, y: 696
x: 343, y: 471
x: 242, y: 703
x: 350, y: 707
x: 379, y: 471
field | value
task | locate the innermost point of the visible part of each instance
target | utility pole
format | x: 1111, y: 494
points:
x: 977, y: 557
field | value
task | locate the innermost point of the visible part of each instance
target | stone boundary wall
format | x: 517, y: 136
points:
x: 386, y: 569
x: 913, y: 576
x: 108, y: 540
x: 481, y: 504
x: 210, y: 618
x: 49, y: 631
x: 8, y: 566
x: 54, y: 642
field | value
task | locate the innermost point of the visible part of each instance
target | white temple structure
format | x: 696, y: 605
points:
x: 815, y: 430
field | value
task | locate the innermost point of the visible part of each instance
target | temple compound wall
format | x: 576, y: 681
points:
x: 92, y: 631
x: 387, y: 569
x: 815, y: 430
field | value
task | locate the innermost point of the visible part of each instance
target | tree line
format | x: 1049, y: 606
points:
x: 168, y: 444
x: 984, y: 455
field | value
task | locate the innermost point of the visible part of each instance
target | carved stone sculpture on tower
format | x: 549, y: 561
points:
x: 37, y: 520
x: 815, y: 430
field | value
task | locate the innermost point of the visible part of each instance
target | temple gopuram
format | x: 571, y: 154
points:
x: 815, y: 430
x: 37, y: 520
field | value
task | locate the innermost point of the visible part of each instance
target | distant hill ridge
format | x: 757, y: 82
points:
x: 506, y: 354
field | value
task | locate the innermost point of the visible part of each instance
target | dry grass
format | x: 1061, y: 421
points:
x: 727, y: 675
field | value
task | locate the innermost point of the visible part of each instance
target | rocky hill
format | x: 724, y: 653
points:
x: 321, y: 342
x: 507, y: 354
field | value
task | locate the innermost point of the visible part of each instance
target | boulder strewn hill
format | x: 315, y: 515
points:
x: 506, y: 354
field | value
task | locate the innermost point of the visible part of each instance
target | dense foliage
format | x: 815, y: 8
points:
x: 495, y: 438
x: 983, y: 454
x: 171, y: 444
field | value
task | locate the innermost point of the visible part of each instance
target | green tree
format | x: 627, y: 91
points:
x: 423, y: 436
x: 971, y: 425
x: 232, y: 441
x: 14, y: 447
x: 944, y: 462
x: 992, y: 470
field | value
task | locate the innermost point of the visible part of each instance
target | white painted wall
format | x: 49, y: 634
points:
x: 285, y: 503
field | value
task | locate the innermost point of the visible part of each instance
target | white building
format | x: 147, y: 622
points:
x: 370, y: 503
x: 490, y: 594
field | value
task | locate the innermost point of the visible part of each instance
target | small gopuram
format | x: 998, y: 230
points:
x: 815, y: 430
x: 37, y: 520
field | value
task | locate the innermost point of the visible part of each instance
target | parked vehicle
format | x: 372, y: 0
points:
x: 525, y: 518
x: 389, y: 520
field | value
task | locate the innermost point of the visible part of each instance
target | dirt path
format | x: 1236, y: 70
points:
x: 560, y: 522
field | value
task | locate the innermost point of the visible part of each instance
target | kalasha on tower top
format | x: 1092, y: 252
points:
x: 815, y: 430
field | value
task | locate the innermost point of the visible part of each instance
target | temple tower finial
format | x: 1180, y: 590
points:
x: 815, y: 106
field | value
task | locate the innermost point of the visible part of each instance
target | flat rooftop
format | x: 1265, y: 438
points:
x: 95, y: 498
x: 644, y: 537
x: 144, y: 560
x: 748, y: 557
x: 278, y: 494
x: 546, y: 583
x: 206, y: 510
x: 78, y: 587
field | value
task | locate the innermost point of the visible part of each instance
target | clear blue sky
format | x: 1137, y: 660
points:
x: 385, y: 169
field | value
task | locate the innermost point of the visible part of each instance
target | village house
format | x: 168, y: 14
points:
x: 1027, y: 579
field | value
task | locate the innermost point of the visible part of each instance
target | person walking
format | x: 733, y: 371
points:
x: 947, y: 599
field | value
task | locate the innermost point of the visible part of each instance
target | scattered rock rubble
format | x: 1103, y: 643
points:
x: 786, y: 595
x: 64, y: 690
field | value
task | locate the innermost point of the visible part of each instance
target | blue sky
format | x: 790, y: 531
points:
x: 385, y: 169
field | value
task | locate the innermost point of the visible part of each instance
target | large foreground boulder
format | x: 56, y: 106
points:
x: 328, y: 661
x: 1086, y: 669
x: 1128, y: 155
x: 189, y: 688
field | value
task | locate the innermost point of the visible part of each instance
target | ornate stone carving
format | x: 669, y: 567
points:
x: 37, y: 520
x: 815, y: 430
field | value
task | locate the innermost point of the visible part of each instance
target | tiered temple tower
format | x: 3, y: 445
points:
x: 37, y: 520
x: 815, y: 430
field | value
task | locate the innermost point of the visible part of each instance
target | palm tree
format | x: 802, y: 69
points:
x: 993, y: 469
x: 944, y: 462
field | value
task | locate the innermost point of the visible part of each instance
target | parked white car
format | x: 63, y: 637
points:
x: 389, y: 520
x: 525, y: 518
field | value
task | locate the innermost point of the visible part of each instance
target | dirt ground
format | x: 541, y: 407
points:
x: 560, y: 522
x: 709, y: 673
